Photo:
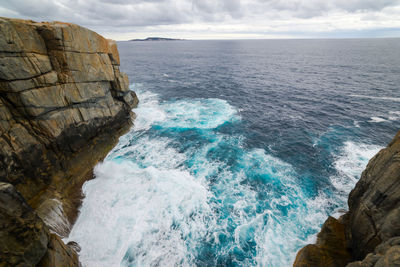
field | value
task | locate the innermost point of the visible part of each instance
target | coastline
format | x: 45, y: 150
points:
x: 59, y: 118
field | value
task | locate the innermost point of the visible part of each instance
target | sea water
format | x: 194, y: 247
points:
x: 240, y: 149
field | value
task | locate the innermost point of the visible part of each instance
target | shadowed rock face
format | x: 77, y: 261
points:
x: 386, y: 254
x: 24, y: 236
x: 63, y: 105
x: 374, y: 204
x: 372, y: 224
x: 25, y: 239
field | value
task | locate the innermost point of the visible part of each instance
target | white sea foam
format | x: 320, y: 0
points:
x: 394, y: 99
x: 147, y: 208
x: 129, y: 213
x: 350, y: 162
x: 394, y: 115
x: 149, y: 112
x: 281, y: 229
x: 146, y: 214
x: 391, y: 116
x: 377, y: 119
x: 198, y: 113
x: 283, y: 235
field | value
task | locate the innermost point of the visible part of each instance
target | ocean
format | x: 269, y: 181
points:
x: 240, y: 149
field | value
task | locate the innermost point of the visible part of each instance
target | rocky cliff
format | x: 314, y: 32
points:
x: 63, y: 105
x: 369, y: 233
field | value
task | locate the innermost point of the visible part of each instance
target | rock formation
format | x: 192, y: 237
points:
x: 369, y: 233
x: 63, y: 105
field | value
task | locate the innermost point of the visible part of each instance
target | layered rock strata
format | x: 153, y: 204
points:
x: 63, y: 105
x: 370, y: 230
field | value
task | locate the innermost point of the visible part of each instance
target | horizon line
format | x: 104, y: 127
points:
x: 252, y: 39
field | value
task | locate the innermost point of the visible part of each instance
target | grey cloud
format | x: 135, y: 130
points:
x: 211, y: 10
x: 360, y: 5
x: 139, y: 13
x: 314, y: 8
x: 29, y: 8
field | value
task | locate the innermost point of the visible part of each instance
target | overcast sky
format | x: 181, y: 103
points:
x: 218, y: 19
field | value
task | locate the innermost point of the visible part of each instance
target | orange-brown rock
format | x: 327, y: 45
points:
x: 59, y: 254
x: 330, y: 249
x: 63, y: 105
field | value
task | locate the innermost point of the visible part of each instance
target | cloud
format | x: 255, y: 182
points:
x: 227, y: 16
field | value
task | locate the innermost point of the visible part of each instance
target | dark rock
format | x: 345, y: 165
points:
x: 386, y: 254
x: 23, y: 235
x: 372, y: 224
x: 75, y: 246
x: 63, y: 105
x: 59, y: 254
x: 374, y: 204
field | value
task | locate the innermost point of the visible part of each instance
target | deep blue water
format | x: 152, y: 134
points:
x: 240, y: 149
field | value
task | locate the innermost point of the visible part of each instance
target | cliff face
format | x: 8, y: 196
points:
x: 371, y: 227
x: 25, y: 239
x: 63, y: 105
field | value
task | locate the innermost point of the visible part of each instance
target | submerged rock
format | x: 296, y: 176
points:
x: 372, y: 224
x: 63, y: 105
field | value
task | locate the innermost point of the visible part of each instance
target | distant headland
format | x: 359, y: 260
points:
x: 155, y: 39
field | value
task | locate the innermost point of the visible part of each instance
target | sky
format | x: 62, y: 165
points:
x: 218, y: 19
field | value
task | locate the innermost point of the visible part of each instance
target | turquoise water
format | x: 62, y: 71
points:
x: 224, y: 172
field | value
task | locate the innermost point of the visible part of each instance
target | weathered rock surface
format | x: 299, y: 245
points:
x: 330, y: 249
x: 23, y: 235
x: 386, y: 254
x: 63, y: 105
x: 372, y: 224
x: 59, y: 254
x: 374, y: 204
